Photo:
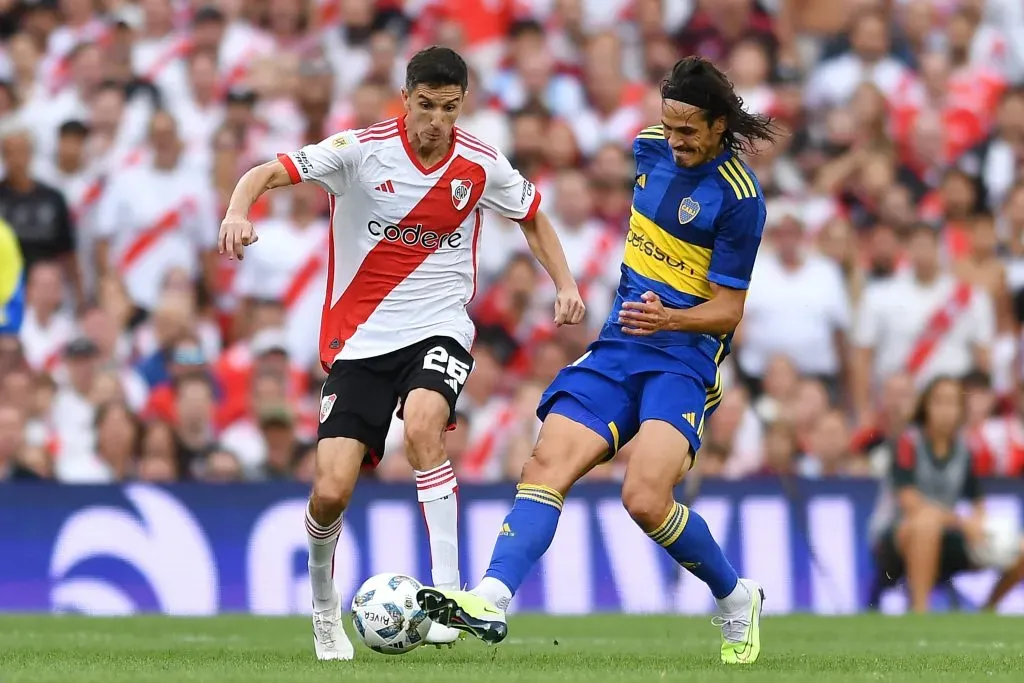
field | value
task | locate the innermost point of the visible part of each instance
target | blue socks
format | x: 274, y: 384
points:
x: 525, y: 535
x: 686, y: 537
x: 530, y: 526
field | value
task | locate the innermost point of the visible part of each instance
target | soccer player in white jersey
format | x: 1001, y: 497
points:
x: 406, y: 200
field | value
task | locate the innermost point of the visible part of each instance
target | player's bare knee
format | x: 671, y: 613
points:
x: 545, y: 469
x: 647, y: 502
x: 331, y: 495
x: 424, y: 446
x: 425, y: 416
x: 337, y: 468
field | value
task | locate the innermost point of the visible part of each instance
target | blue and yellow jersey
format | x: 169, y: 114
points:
x: 12, y: 281
x: 689, y: 228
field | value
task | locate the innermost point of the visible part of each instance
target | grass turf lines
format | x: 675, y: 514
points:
x: 242, y: 649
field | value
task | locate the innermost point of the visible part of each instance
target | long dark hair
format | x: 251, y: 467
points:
x: 921, y: 412
x: 696, y: 81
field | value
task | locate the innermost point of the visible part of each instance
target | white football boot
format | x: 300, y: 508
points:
x: 329, y: 638
x: 439, y: 635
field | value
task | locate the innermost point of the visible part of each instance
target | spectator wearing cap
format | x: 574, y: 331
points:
x: 283, y: 448
x: 73, y: 414
x: 923, y: 322
x: 798, y: 307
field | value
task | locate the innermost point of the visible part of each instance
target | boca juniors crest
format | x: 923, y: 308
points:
x: 461, y: 190
x: 688, y: 210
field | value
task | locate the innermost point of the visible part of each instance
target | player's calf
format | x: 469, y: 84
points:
x: 565, y: 451
x: 337, y: 467
x: 426, y: 414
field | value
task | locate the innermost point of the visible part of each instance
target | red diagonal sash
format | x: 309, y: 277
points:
x: 937, y: 327
x: 309, y: 269
x: 167, y: 223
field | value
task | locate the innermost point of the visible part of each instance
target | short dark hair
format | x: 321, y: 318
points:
x: 696, y: 81
x: 73, y: 128
x: 436, y: 66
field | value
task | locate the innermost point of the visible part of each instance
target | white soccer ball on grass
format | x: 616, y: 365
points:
x: 386, y: 615
x: 1002, y: 546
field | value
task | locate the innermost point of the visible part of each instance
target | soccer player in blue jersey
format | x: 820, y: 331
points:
x: 652, y: 376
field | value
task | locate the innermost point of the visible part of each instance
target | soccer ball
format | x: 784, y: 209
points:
x: 1002, y: 546
x: 387, y: 616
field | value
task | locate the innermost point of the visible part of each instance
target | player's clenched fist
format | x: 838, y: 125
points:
x: 236, y: 233
x: 644, y: 317
x: 569, y: 307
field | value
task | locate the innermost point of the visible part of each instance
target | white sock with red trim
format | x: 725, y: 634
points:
x: 322, y: 542
x: 437, y: 491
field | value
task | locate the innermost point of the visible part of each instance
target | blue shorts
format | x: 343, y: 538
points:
x: 616, y: 386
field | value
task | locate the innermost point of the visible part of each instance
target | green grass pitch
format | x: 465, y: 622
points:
x: 239, y: 649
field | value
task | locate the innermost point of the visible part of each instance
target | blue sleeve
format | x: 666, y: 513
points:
x: 12, y: 311
x: 737, y: 237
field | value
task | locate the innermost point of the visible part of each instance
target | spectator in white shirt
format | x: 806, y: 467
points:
x: 923, y: 322
x: 798, y: 308
x: 46, y: 328
x: 833, y: 82
x: 156, y: 218
x: 73, y: 413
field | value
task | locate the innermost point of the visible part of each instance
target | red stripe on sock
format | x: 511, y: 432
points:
x: 424, y: 477
x: 319, y: 532
x: 430, y: 481
x: 436, y: 484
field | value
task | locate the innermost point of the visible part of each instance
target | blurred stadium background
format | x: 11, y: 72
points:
x: 151, y: 361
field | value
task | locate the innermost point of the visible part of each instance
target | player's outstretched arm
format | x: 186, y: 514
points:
x: 545, y: 245
x: 719, y: 315
x: 236, y: 231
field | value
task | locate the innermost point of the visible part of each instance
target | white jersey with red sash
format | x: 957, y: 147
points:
x: 156, y: 221
x: 924, y: 329
x: 291, y: 267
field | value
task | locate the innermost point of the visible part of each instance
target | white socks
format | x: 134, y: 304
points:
x: 437, y: 490
x: 735, y: 602
x: 322, y: 542
x: 494, y: 591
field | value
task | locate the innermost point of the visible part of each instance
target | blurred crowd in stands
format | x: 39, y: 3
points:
x: 893, y: 252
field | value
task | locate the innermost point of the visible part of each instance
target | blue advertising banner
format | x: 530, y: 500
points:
x: 198, y: 550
